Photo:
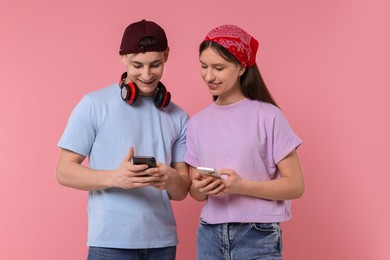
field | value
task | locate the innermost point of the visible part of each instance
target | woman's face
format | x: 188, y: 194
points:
x: 221, y: 76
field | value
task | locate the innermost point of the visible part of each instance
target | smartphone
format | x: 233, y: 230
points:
x: 149, y: 160
x: 208, y: 171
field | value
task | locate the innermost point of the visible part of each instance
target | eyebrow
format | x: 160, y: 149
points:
x: 213, y: 64
x: 141, y: 63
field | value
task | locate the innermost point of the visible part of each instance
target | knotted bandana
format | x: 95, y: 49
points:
x: 237, y: 41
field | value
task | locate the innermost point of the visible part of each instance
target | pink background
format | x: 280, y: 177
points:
x: 326, y: 63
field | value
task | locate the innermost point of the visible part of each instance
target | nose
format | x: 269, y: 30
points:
x: 209, y: 75
x: 146, y: 73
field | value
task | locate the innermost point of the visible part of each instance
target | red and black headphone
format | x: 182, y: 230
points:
x: 130, y: 93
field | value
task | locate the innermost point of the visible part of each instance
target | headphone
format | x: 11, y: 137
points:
x: 130, y: 93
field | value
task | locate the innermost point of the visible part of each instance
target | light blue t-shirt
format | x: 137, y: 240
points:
x: 103, y: 127
x: 250, y: 137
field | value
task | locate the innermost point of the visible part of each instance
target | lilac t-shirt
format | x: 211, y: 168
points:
x: 250, y: 137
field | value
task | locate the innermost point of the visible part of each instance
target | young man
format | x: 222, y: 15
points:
x: 129, y: 211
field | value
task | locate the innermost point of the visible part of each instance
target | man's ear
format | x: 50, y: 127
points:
x: 166, y: 54
x: 123, y: 59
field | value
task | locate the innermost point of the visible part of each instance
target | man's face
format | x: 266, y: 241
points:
x: 145, y: 70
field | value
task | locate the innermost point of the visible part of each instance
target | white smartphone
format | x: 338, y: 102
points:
x: 208, y: 171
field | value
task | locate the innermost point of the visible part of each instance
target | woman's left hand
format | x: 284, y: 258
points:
x: 232, y: 181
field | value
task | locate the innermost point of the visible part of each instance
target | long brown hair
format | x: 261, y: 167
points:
x: 252, y: 83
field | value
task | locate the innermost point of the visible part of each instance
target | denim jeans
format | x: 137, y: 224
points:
x: 239, y: 241
x: 101, y: 253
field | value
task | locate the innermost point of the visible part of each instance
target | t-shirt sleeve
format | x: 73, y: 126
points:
x: 180, y: 144
x: 79, y: 133
x: 284, y: 139
x: 190, y: 155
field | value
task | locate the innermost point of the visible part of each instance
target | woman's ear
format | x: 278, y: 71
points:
x: 242, y: 71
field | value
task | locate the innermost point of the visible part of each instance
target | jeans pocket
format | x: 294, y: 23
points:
x: 270, y: 232
x: 266, y: 227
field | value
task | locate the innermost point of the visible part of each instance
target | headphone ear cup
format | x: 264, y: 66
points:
x: 129, y: 92
x: 163, y: 97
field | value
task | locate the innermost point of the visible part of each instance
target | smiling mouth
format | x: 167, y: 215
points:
x: 149, y: 82
x: 213, y: 86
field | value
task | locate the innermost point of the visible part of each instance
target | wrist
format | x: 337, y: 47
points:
x: 109, y: 180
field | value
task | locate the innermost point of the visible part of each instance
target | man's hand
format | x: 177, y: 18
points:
x: 129, y: 175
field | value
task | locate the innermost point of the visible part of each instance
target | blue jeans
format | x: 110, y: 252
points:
x: 101, y: 253
x: 239, y: 241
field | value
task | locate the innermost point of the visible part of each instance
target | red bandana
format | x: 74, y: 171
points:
x: 237, y: 41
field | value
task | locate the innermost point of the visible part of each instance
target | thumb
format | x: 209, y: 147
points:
x: 226, y: 172
x: 129, y: 154
x: 194, y: 174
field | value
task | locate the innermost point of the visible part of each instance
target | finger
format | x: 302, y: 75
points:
x: 203, y: 181
x: 218, y: 190
x: 211, y: 186
x: 153, y: 171
x: 129, y: 154
x: 139, y: 184
x: 195, y: 175
x: 225, y: 172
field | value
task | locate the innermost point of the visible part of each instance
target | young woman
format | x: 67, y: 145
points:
x: 245, y: 136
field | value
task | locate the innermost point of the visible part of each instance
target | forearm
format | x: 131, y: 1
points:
x: 179, y: 182
x: 279, y: 189
x: 289, y: 186
x: 73, y: 174
x: 178, y: 188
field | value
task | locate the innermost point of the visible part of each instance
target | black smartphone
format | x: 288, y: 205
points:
x: 149, y: 160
